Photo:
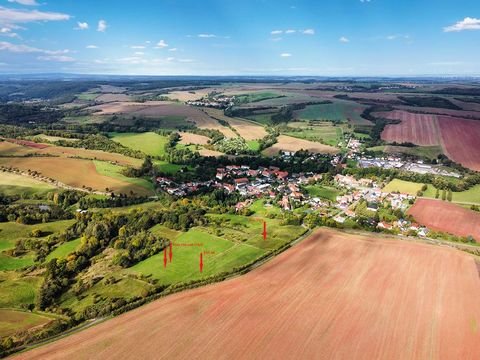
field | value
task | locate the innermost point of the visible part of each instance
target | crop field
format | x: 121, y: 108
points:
x: 419, y: 129
x: 73, y: 172
x: 113, y: 97
x: 258, y: 96
x: 245, y: 128
x: 13, y: 321
x: 337, y: 111
x: 10, y: 149
x: 307, y: 302
x: 190, y: 138
x: 323, y: 132
x: 446, y: 217
x: 11, y: 184
x: 460, y: 140
x: 288, y: 143
x: 115, y: 171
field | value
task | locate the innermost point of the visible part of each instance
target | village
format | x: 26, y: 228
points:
x: 288, y: 192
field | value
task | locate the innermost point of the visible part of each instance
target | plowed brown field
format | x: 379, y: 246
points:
x: 334, y: 296
x: 461, y: 140
x: 420, y: 129
x: 444, y: 216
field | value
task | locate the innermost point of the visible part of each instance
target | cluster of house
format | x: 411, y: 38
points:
x: 393, y: 162
x: 368, y: 190
x: 250, y: 183
x: 218, y: 102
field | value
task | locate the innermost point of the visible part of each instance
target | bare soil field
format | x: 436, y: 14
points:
x: 289, y: 143
x: 208, y: 152
x: 437, y: 111
x: 27, y: 143
x: 113, y: 97
x: 333, y: 296
x: 246, y: 129
x: 460, y: 140
x: 189, y: 138
x: 419, y: 129
x: 447, y: 217
x: 73, y: 172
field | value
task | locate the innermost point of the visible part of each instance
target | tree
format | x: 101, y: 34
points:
x: 437, y: 194
x: 444, y: 195
x: 449, y: 195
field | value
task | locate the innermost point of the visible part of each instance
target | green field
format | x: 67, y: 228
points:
x: 253, y: 145
x: 323, y: 132
x: 13, y: 184
x: 15, y: 263
x: 17, y: 290
x: 10, y: 231
x: 405, y: 187
x: 322, y: 192
x: 150, y: 143
x: 337, y: 111
x: 64, y: 249
x: 126, y: 288
x: 430, y: 152
x: 87, y: 96
x: 257, y: 96
x: 115, y: 171
x: 260, y: 208
x: 219, y: 255
x: 471, y: 196
x: 166, y: 167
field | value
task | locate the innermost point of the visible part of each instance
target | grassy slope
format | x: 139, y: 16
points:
x: 114, y: 171
x: 12, y: 321
x: 10, y: 231
x: 150, y: 143
x: 64, y: 249
x: 326, y: 133
x: 17, y: 290
x: 13, y: 184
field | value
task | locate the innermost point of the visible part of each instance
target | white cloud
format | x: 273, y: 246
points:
x: 171, y: 58
x: 186, y: 60
x: 58, y: 58
x: 277, y: 39
x: 397, y: 36
x: 365, y: 1
x: 276, y: 32
x: 7, y: 31
x: 173, y: 49
x: 161, y: 44
x: 25, y: 2
x: 102, y: 26
x: 290, y: 31
x: 309, y: 31
x: 139, y: 53
x: 82, y: 26
x: 15, y: 48
x: 137, y: 47
x: 447, y: 63
x: 206, y: 36
x: 285, y: 55
x: 344, y: 39
x: 466, y: 24
x: 91, y: 47
x: 12, y: 16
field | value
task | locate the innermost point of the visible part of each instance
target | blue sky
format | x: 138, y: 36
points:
x: 262, y: 37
